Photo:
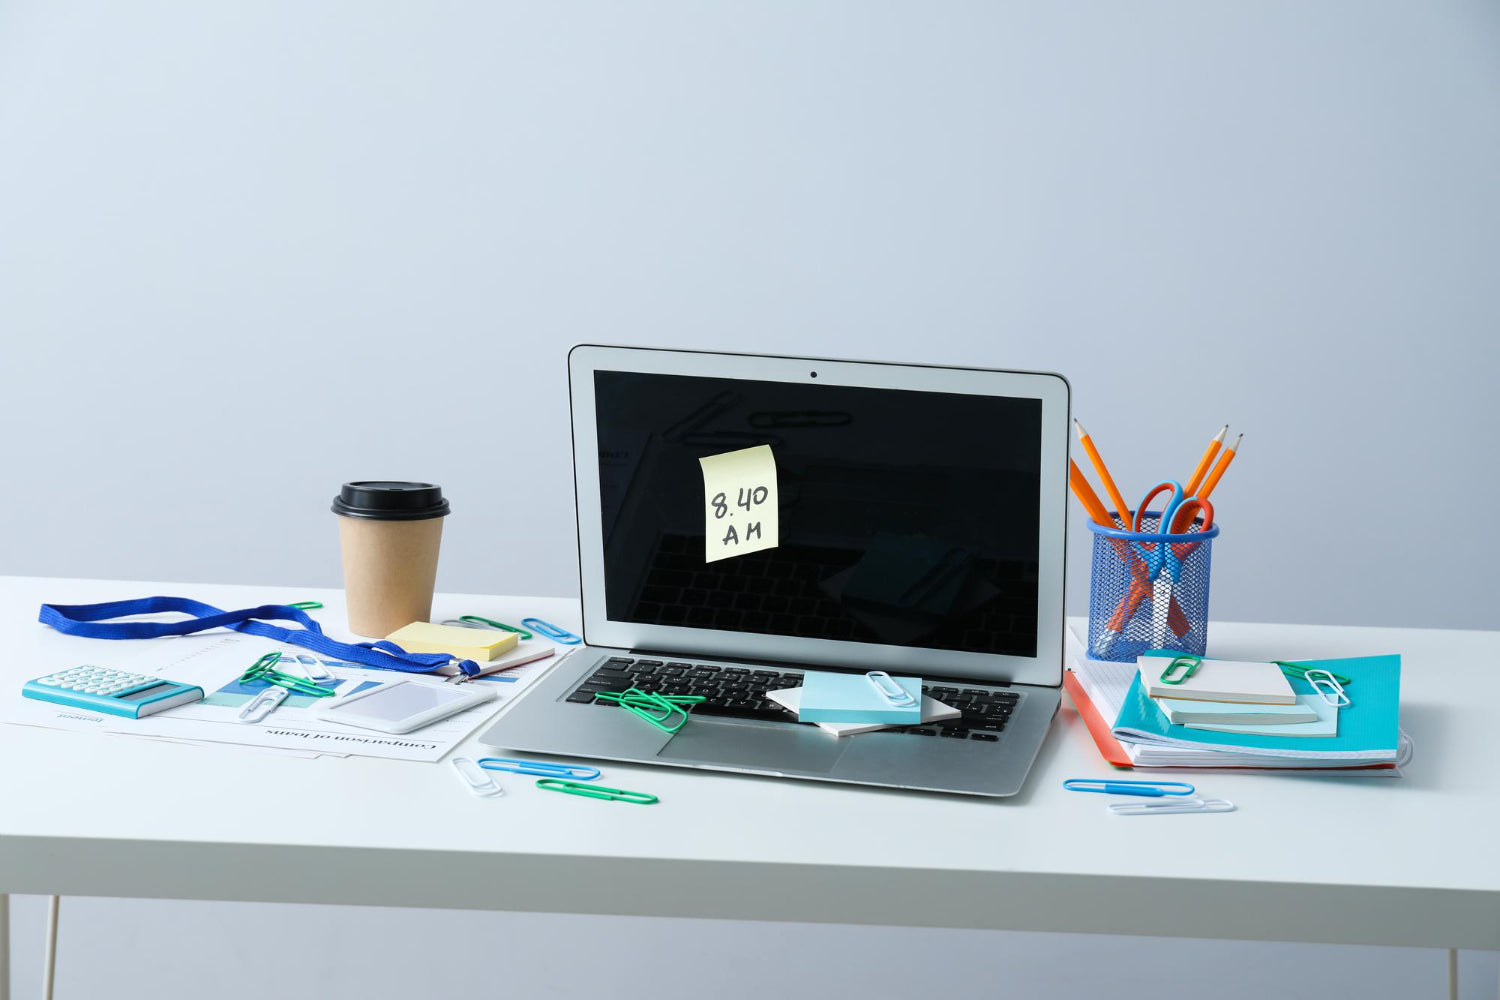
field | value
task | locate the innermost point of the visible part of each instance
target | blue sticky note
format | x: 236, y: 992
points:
x: 829, y: 697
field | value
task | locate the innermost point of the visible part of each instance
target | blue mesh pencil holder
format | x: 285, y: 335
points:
x: 1148, y: 591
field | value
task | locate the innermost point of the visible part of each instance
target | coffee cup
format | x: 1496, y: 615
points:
x: 389, y: 534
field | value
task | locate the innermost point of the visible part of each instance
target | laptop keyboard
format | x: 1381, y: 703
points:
x: 740, y: 693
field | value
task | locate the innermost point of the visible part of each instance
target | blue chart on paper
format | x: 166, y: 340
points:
x: 235, y: 694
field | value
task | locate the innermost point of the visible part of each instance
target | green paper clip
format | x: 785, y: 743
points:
x: 264, y: 669
x: 491, y: 623
x: 1299, y: 671
x: 595, y: 791
x: 306, y: 605
x: 644, y: 705
x: 1190, y: 665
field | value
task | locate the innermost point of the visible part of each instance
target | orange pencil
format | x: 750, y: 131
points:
x: 1086, y: 496
x: 1218, y: 473
x: 1104, y: 476
x: 1205, y: 462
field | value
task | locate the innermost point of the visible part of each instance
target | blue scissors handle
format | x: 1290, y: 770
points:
x: 1156, y: 555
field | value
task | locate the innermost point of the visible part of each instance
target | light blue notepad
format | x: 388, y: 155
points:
x: 1325, y: 723
x: 1181, y: 712
x: 829, y: 697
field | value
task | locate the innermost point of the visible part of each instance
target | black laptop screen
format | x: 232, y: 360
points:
x: 877, y: 515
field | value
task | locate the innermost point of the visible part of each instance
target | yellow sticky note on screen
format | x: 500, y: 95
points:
x: 741, y: 512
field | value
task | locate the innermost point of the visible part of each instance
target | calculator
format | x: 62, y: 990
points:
x: 114, y: 692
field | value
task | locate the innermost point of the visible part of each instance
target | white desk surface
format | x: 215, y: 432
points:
x: 1410, y: 860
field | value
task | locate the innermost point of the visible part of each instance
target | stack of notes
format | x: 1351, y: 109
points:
x: 932, y: 711
x: 1232, y: 713
x: 831, y: 697
x: 479, y: 645
x: 846, y: 704
x: 492, y: 650
x: 1235, y: 696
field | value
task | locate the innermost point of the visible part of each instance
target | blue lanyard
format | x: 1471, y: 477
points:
x: 91, y: 622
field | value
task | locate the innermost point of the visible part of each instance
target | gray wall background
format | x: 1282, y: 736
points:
x: 248, y: 251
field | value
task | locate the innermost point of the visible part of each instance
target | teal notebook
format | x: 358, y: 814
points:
x: 830, y: 697
x: 1368, y: 727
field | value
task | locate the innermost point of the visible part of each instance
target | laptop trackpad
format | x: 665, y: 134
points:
x: 759, y: 748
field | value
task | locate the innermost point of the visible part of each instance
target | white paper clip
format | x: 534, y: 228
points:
x: 1327, y: 685
x: 1179, y: 806
x: 311, y: 668
x: 476, y: 778
x: 890, y: 690
x: 263, y: 704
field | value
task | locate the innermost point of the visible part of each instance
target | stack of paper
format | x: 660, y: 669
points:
x: 1235, y: 696
x: 1182, y: 712
x: 1233, y: 681
x: 845, y: 704
x: 932, y: 711
x: 479, y: 645
x: 1132, y: 728
x: 854, y: 698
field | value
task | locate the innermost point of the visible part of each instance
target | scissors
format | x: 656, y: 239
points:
x: 1155, y: 567
x: 1163, y: 560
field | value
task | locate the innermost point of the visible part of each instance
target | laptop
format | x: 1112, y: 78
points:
x: 852, y: 517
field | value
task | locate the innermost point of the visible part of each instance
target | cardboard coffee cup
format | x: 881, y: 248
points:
x: 389, y: 533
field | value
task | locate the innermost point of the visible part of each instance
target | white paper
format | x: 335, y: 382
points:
x: 741, y: 509
x: 214, y: 660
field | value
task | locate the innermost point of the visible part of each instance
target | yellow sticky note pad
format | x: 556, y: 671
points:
x: 741, y: 511
x: 478, y: 644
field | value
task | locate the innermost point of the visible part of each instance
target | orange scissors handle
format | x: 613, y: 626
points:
x: 1184, y: 519
x: 1190, y: 510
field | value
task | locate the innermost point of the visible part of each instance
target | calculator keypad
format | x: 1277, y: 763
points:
x: 96, y: 680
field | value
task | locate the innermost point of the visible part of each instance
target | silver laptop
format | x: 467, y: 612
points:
x: 743, y: 520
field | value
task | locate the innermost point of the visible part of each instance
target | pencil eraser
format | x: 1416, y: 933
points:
x: 477, y: 644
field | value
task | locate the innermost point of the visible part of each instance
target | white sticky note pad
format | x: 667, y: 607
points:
x: 741, y: 511
x: 1219, y: 680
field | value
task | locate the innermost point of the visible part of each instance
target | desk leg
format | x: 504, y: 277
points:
x: 4, y: 946
x: 49, y: 970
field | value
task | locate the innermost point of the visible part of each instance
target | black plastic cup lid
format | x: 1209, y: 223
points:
x: 390, y: 501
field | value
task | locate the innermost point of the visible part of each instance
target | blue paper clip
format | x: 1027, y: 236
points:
x: 541, y: 768
x: 1125, y: 786
x: 551, y: 631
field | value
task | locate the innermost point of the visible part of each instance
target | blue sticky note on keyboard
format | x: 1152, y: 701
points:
x: 829, y: 697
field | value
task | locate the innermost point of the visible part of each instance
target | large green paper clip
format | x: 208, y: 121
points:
x: 596, y: 792
x: 264, y: 669
x: 1180, y: 669
x: 667, y: 712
